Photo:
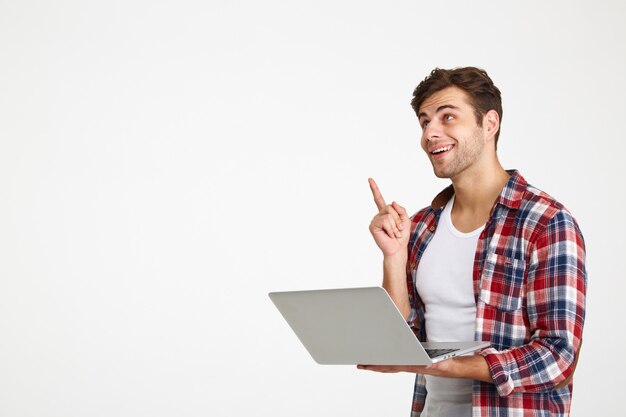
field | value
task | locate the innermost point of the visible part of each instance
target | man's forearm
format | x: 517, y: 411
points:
x: 394, y: 281
x: 468, y: 367
x: 473, y: 367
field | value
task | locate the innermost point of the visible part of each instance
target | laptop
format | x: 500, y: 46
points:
x: 359, y: 326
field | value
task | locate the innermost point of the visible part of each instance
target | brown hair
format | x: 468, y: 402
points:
x: 483, y: 94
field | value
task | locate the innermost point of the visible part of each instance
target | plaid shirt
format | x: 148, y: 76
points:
x: 529, y: 285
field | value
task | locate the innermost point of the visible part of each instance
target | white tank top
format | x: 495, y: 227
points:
x: 444, y: 283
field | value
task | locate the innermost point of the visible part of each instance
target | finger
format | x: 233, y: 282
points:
x: 381, y: 368
x: 395, y: 216
x: 390, y: 227
x: 404, y: 216
x: 375, y: 368
x: 400, y: 210
x: 394, y: 219
x: 378, y: 197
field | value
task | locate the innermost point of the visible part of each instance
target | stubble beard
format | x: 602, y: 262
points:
x: 463, y: 158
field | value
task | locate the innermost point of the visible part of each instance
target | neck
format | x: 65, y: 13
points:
x: 476, y: 190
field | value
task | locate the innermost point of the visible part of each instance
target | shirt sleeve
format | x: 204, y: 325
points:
x: 416, y: 315
x: 415, y: 319
x: 555, y: 307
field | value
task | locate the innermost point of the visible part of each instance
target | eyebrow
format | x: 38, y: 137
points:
x: 442, y: 107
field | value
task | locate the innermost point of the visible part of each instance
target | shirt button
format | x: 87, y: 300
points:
x: 431, y: 228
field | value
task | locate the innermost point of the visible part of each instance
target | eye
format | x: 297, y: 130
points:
x: 425, y: 124
x: 448, y: 117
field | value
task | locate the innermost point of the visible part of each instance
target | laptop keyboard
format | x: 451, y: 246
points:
x: 434, y: 353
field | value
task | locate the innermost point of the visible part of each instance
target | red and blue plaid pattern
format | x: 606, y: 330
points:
x: 529, y: 284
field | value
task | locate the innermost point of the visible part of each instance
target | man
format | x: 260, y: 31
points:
x: 491, y: 259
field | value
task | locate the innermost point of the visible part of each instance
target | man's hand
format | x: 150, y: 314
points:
x: 444, y: 368
x: 391, y: 226
x: 471, y: 367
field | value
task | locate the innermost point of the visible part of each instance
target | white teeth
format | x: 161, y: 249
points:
x: 442, y: 149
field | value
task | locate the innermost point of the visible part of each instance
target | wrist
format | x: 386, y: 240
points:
x: 398, y: 258
x: 472, y: 367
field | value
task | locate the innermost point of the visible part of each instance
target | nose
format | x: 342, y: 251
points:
x: 432, y: 131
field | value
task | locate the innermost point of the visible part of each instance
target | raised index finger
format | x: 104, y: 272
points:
x: 378, y: 197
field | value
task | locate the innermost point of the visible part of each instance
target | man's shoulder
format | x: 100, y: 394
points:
x: 539, y: 209
x: 423, y: 214
x: 534, y: 198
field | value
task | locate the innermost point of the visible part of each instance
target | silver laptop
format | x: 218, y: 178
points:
x: 359, y: 326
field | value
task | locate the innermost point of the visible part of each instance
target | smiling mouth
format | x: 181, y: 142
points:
x: 441, y: 150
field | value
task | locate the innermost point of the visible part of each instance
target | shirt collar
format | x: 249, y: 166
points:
x: 510, y: 196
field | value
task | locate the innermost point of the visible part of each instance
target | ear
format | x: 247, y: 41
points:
x: 491, y: 124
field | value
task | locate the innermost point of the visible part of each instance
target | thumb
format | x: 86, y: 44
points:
x: 401, y: 211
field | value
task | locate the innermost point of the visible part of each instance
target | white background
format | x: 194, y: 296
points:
x: 163, y: 165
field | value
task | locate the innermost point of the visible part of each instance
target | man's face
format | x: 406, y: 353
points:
x: 451, y: 138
